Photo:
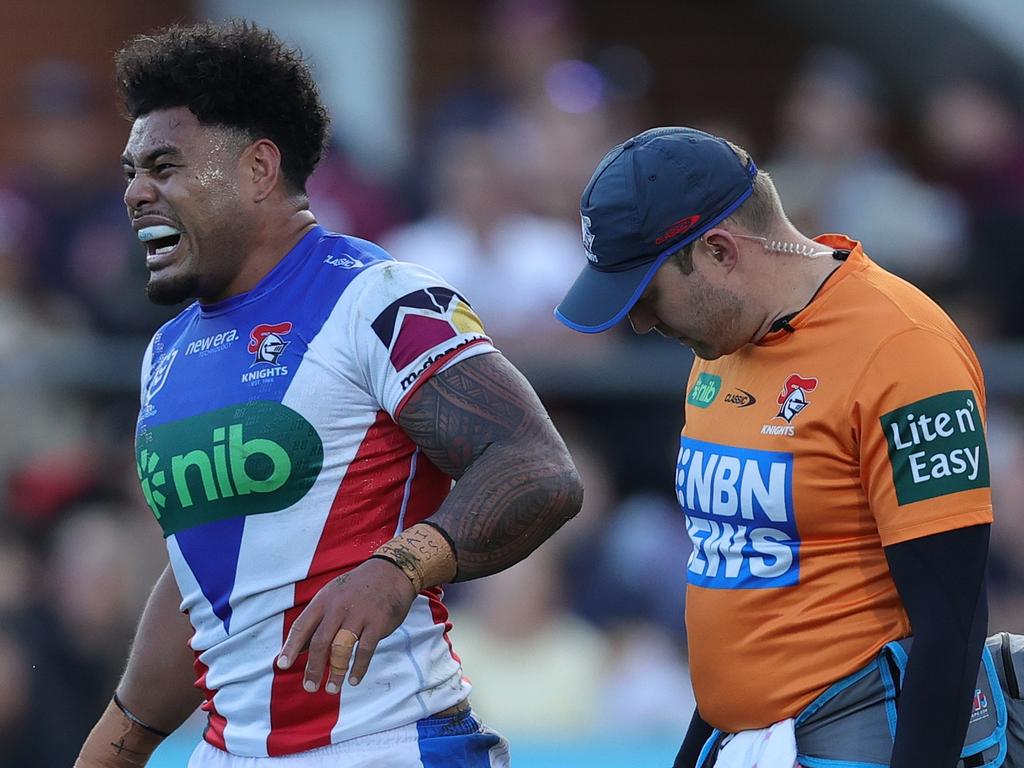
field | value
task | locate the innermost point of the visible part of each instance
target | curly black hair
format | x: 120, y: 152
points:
x: 237, y: 75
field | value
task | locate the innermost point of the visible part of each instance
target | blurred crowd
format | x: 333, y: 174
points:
x: 594, y: 619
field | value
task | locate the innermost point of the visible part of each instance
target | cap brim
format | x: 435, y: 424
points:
x: 598, y: 300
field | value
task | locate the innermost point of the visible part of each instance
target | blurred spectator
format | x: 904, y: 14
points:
x: 634, y: 568
x: 977, y: 136
x: 537, y: 669
x: 836, y: 176
x: 554, y: 110
x: 345, y: 200
x: 82, y: 252
x: 513, y: 266
x: 25, y: 731
x: 17, y: 572
x: 99, y: 569
x: 647, y: 688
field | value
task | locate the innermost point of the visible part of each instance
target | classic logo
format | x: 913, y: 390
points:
x: 343, y: 261
x: 704, y: 390
x: 793, y: 397
x: 588, y: 239
x: 739, y: 515
x: 228, y: 463
x: 216, y: 341
x: 267, y: 342
x: 677, y: 228
x: 740, y: 398
x: 936, y: 446
x: 158, y: 377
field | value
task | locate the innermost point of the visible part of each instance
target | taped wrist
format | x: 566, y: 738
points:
x: 119, y: 740
x: 425, y: 553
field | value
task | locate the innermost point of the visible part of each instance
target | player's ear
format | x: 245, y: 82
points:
x: 261, y: 168
x: 721, y: 247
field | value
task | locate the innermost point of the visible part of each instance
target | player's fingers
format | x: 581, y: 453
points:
x: 367, y: 645
x: 341, y: 651
x: 298, y: 635
x: 319, y: 648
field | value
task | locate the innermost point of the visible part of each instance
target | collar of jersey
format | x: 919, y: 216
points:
x: 288, y: 264
x: 854, y: 262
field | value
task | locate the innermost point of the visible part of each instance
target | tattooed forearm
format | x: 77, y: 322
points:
x: 481, y: 423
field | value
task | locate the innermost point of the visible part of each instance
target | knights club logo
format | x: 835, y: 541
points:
x: 267, y: 342
x: 793, y: 397
x: 588, y: 238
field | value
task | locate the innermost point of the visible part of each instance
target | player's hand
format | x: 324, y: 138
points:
x: 356, y: 610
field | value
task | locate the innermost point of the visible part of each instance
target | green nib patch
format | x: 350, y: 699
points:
x: 936, y: 446
x: 241, y: 460
x: 704, y: 390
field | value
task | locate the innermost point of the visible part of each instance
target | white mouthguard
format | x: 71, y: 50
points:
x: 156, y: 232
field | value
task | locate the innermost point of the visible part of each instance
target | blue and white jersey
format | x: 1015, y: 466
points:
x: 268, y: 450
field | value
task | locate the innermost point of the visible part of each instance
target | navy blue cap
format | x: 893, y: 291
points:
x: 649, y: 197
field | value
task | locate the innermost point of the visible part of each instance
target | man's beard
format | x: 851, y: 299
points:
x: 172, y: 290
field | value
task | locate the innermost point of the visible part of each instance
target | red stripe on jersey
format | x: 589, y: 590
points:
x: 430, y: 486
x: 440, y: 614
x: 363, y: 516
x: 215, y: 722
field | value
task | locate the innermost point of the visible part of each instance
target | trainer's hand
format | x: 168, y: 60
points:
x: 366, y: 605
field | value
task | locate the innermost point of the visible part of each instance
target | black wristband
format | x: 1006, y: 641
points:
x: 134, y: 719
x: 387, y: 559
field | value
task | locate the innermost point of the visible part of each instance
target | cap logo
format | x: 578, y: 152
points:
x: 677, y: 229
x: 588, y: 239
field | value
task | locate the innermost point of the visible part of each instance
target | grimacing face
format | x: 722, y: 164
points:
x: 182, y: 197
x: 692, y: 310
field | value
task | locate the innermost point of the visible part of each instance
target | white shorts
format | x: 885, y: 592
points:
x: 456, y: 741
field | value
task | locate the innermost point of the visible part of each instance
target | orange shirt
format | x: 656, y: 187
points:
x: 802, y: 457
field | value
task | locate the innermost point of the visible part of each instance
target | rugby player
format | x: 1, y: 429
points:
x: 299, y: 431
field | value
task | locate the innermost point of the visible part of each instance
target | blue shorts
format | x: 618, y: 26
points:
x: 455, y: 741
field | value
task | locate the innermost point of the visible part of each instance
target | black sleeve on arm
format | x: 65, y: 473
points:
x: 696, y: 736
x: 941, y: 581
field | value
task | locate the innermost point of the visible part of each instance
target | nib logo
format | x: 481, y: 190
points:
x: 152, y: 481
x: 231, y: 462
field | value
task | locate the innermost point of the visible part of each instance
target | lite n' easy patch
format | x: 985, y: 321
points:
x: 936, y: 446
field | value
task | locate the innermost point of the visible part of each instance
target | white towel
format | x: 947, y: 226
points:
x: 771, y: 747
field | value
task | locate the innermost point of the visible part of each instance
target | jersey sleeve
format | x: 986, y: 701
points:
x: 409, y: 324
x: 918, y: 414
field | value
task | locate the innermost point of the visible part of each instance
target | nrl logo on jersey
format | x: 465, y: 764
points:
x: 158, y: 377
